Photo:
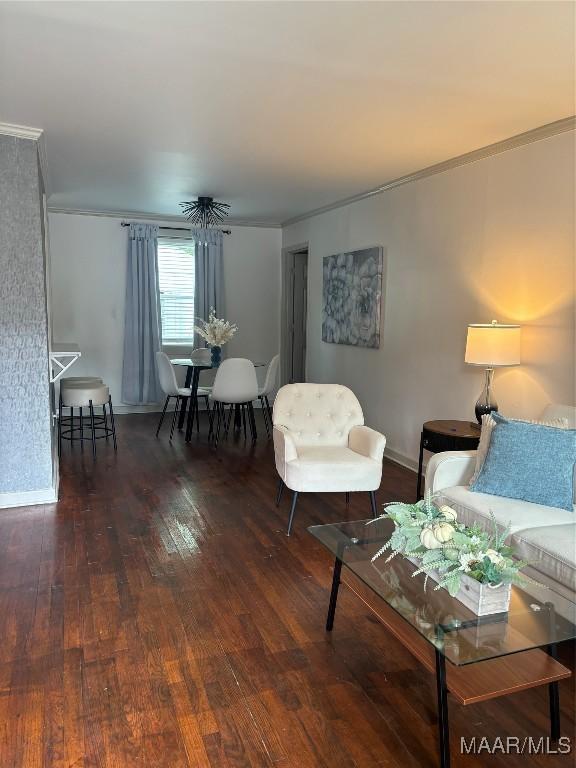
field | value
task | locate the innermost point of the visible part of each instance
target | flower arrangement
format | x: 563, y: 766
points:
x: 433, y: 537
x: 216, y: 331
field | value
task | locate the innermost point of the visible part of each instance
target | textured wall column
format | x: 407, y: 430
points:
x: 25, y: 428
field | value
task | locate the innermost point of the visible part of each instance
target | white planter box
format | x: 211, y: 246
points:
x: 481, y: 599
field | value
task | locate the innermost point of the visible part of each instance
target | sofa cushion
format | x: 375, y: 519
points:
x: 488, y: 424
x: 472, y: 507
x: 551, y: 550
x: 530, y: 462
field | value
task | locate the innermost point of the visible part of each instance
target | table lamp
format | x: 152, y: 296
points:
x: 491, y: 345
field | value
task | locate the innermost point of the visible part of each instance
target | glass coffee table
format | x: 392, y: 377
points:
x: 475, y: 658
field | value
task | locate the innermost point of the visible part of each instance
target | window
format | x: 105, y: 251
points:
x: 176, y: 266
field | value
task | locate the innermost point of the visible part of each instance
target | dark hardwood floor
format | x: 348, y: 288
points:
x: 159, y: 616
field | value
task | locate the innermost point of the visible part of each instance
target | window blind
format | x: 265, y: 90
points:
x: 176, y: 267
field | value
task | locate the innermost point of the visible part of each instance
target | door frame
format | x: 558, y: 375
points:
x: 288, y: 254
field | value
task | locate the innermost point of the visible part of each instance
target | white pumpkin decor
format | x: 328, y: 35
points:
x: 443, y: 532
x: 428, y: 539
x: 475, y: 566
x: 448, y: 513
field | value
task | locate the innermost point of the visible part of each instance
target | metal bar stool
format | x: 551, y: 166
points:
x: 76, y: 381
x: 86, y: 396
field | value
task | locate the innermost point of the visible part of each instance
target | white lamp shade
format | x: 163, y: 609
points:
x: 492, y: 345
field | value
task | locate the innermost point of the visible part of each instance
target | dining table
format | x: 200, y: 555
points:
x: 194, y: 368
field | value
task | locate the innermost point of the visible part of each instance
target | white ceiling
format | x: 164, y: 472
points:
x: 276, y: 108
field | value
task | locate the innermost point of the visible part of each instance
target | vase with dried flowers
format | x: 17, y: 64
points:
x: 216, y: 332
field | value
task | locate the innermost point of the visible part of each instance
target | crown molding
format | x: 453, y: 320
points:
x: 520, y: 140
x: 159, y: 217
x: 20, y: 131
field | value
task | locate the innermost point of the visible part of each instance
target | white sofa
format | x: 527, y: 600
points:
x: 546, y: 536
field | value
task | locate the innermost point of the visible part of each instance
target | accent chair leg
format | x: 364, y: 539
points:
x: 347, y: 497
x: 373, y: 506
x: 163, y: 414
x: 279, y: 491
x: 81, y: 429
x: 292, y: 510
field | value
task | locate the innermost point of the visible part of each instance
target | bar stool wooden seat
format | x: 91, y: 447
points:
x: 86, y: 396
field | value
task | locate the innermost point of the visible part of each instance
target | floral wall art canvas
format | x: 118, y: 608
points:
x: 352, y: 293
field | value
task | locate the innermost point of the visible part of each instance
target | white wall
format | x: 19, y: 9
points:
x: 88, y: 255
x: 494, y: 239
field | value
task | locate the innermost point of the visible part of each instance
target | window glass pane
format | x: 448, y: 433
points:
x: 176, y: 277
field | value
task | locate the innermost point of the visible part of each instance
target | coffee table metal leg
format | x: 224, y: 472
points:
x: 442, y: 692
x: 553, y: 689
x: 334, y: 594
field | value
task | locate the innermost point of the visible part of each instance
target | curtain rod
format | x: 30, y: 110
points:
x: 180, y: 229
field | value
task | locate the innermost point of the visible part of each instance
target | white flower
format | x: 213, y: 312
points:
x: 494, y: 556
x: 475, y: 540
x: 466, y: 560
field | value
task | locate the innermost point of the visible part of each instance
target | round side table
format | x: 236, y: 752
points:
x: 449, y: 435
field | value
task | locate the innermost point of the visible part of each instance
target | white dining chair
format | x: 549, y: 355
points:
x: 235, y: 385
x: 267, y: 389
x: 322, y: 445
x: 170, y: 387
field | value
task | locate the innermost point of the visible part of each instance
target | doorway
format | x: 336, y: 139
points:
x: 295, y: 304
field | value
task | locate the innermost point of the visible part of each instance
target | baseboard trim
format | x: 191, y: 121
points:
x: 400, y: 458
x: 124, y: 410
x: 28, y: 498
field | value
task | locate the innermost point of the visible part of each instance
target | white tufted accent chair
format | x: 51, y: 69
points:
x: 321, y: 443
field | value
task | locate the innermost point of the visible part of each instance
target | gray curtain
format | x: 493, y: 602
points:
x: 142, y: 326
x: 208, y: 291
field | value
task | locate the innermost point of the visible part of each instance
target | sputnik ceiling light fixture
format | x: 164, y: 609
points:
x: 205, y: 212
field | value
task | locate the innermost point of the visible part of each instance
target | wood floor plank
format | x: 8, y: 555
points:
x: 158, y: 615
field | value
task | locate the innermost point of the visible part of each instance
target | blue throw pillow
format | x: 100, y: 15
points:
x: 529, y: 462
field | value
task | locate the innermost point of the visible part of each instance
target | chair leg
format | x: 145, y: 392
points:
x: 292, y: 510
x: 269, y: 410
x: 373, y: 503
x: 60, y: 425
x: 227, y: 428
x: 252, y: 420
x: 81, y: 429
x: 211, y: 417
x: 72, y: 427
x: 93, y: 429
x: 105, y: 422
x: 244, y: 420
x: 163, y: 414
x: 112, y: 421
x: 265, y: 414
x: 347, y: 497
x: 174, y: 417
x: 279, y: 491
x: 219, y: 423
